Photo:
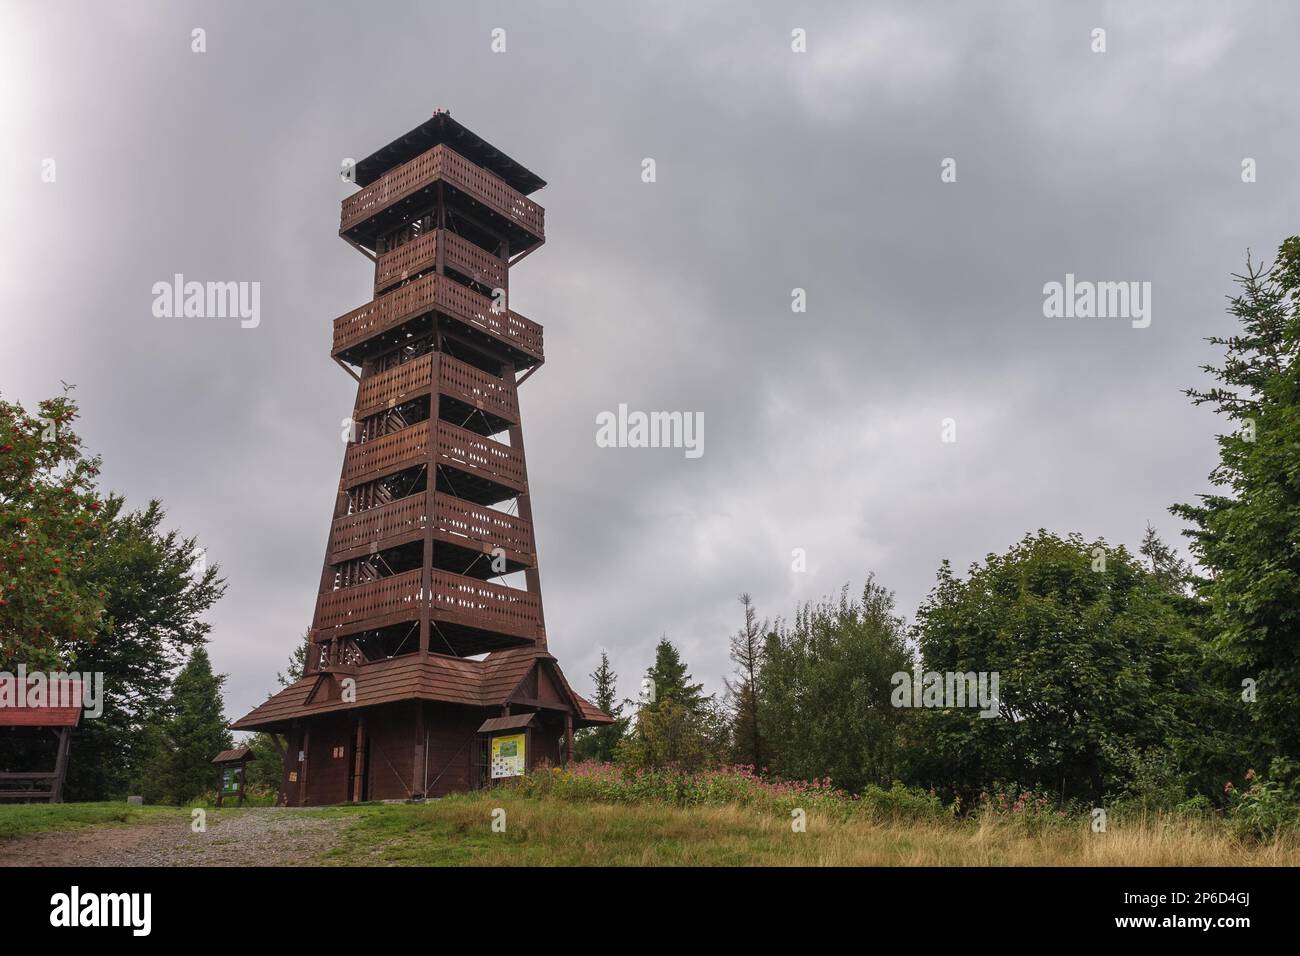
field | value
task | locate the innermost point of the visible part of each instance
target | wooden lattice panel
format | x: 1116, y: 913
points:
x: 420, y: 254
x: 369, y: 527
x: 480, y: 528
x: 467, y: 305
x: 491, y: 607
x: 473, y: 261
x: 442, y: 162
x: 492, y: 191
x: 388, y: 453
x: 463, y: 449
x: 393, y: 386
x: 475, y: 387
x: 435, y: 293
x: 388, y: 597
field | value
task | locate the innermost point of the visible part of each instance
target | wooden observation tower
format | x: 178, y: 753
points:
x: 427, y: 671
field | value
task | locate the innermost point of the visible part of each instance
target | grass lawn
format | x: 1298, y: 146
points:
x: 549, y: 832
x: 27, y: 818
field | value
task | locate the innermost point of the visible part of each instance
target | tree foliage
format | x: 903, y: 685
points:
x: 156, y: 595
x: 1246, y: 534
x: 824, y: 689
x: 742, y: 691
x: 49, y: 528
x: 195, y: 732
x: 671, y: 680
x: 600, y: 743
x: 1096, y: 658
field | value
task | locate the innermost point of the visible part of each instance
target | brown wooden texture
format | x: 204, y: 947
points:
x: 443, y: 163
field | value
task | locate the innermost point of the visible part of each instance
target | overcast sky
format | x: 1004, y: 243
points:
x: 775, y: 170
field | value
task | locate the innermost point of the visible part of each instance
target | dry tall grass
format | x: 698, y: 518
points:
x: 552, y: 832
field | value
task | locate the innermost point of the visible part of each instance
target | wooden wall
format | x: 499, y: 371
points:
x: 395, y: 759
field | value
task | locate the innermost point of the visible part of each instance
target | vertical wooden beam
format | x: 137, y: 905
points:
x: 418, y: 770
x: 302, y: 765
x: 568, y: 739
x: 525, y: 504
x: 61, y: 765
x: 359, y: 759
x: 431, y: 466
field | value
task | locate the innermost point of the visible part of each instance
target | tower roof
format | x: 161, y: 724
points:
x: 441, y: 128
x: 489, y: 682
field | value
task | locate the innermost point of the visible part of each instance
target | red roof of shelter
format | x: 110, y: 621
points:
x: 44, y: 715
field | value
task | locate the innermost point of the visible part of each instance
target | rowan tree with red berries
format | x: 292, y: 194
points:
x: 49, y: 525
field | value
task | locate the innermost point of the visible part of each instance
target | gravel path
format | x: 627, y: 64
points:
x: 257, y: 836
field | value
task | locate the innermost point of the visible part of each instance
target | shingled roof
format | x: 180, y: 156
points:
x: 438, y: 677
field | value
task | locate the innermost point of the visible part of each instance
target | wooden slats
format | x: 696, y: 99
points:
x: 374, y: 526
x: 420, y: 254
x: 480, y: 528
x: 372, y: 601
x: 386, y: 454
x: 435, y: 293
x: 392, y: 386
x: 492, y: 607
x: 463, y: 449
x: 458, y: 448
x: 473, y: 386
x: 446, y: 164
x: 471, y: 260
x: 455, y: 599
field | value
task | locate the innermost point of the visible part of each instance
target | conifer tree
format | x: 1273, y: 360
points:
x: 599, y: 743
x: 195, y: 733
x: 1246, y: 531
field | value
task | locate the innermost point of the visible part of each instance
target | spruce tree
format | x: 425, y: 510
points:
x: 195, y: 733
x: 598, y: 743
x: 1245, y: 533
x: 671, y: 680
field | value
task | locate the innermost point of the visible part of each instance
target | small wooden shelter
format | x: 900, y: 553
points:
x: 33, y: 721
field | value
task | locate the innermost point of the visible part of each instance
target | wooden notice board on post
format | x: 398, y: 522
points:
x: 510, y: 744
x: 232, y: 766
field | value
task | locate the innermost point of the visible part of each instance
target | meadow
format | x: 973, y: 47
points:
x: 598, y: 815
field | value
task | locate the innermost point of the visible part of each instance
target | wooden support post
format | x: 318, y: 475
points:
x: 302, y: 765
x: 525, y: 504
x: 61, y: 765
x: 568, y: 739
x: 418, y: 768
x: 359, y: 760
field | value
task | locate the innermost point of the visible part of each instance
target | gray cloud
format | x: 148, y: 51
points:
x: 776, y: 170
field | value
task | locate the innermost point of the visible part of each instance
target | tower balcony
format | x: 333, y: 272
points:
x: 365, y: 461
x: 395, y: 196
x: 458, y: 253
x: 377, y: 529
x: 373, y: 604
x: 462, y: 524
x: 371, y: 327
x: 485, y: 467
x: 487, y: 470
x: 476, y: 528
x: 455, y: 600
x: 481, y: 605
x: 467, y: 388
